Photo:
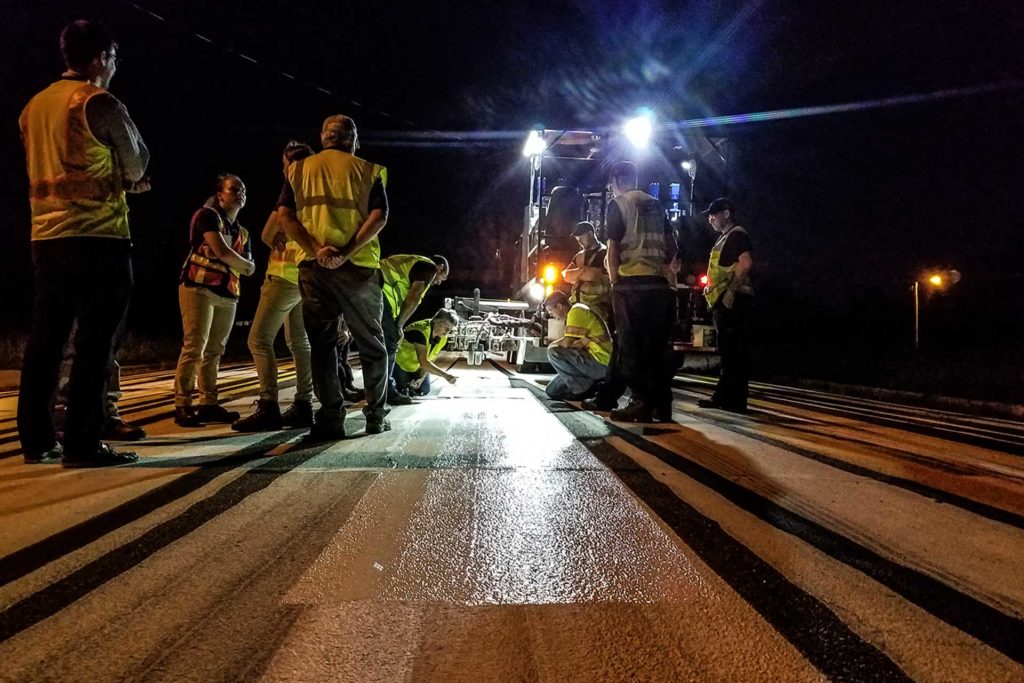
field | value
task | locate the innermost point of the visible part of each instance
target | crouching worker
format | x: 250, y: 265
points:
x: 581, y: 356
x: 422, y: 342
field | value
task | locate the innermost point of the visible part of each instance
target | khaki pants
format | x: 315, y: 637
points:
x: 206, y: 319
x: 280, y: 303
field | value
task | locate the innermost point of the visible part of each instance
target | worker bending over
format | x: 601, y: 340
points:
x: 581, y: 355
x: 421, y: 344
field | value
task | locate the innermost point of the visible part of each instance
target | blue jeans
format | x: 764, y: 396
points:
x: 403, y: 378
x: 577, y: 370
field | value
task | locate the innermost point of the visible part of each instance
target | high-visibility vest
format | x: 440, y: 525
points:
x: 75, y: 181
x: 643, y: 246
x: 594, y: 293
x: 285, y: 264
x: 332, y: 194
x: 395, y: 271
x: 406, y: 357
x: 582, y: 321
x: 203, y: 268
x: 719, y: 277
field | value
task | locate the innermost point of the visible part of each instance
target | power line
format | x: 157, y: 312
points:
x: 270, y: 67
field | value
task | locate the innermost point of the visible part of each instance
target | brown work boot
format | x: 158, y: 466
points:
x: 267, y: 418
x: 298, y: 415
x: 635, y: 411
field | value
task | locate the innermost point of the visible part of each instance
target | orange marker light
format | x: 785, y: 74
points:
x: 550, y: 273
x: 936, y: 280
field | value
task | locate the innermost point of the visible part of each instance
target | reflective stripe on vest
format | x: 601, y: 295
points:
x: 643, y: 245
x: 593, y: 292
x: 720, y: 276
x: 406, y: 357
x: 395, y: 271
x: 332, y: 194
x: 203, y: 268
x: 590, y: 324
x: 74, y: 179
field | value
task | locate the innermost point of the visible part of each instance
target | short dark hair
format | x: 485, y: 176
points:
x: 441, y: 261
x: 296, y: 149
x: 223, y: 179
x: 556, y: 298
x: 82, y: 41
x: 447, y: 314
x: 625, y: 173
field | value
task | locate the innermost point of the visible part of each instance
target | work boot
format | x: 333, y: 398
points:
x: 104, y: 456
x: 326, y: 431
x: 185, y: 416
x: 298, y: 415
x: 377, y: 426
x: 116, y: 429
x: 49, y: 456
x: 267, y: 418
x: 214, y: 413
x: 352, y: 394
x: 635, y: 411
x: 597, y: 405
x: 397, y: 399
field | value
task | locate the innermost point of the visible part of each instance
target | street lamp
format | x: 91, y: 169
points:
x: 937, y: 280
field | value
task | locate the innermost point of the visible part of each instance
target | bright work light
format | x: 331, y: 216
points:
x: 534, y: 144
x: 638, y: 129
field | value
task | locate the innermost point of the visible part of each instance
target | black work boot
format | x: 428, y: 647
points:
x: 353, y: 394
x: 377, y: 426
x: 635, y: 411
x: 299, y: 414
x: 215, y: 413
x: 116, y: 429
x: 267, y: 418
x: 185, y: 416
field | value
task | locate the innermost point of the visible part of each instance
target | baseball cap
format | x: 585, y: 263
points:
x: 582, y: 227
x: 716, y: 205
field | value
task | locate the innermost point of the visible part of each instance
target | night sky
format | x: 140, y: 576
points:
x: 843, y: 209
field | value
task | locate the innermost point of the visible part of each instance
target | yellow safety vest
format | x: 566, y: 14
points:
x: 406, y: 357
x: 395, y: 270
x: 719, y: 277
x: 643, y: 246
x: 285, y: 265
x: 75, y: 182
x: 595, y: 294
x: 581, y: 321
x: 332, y: 194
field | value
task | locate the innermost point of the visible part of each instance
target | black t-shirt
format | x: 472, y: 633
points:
x: 736, y: 244
x: 204, y: 221
x: 422, y: 271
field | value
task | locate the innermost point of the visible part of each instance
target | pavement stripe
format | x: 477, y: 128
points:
x: 806, y: 623
x: 52, y: 599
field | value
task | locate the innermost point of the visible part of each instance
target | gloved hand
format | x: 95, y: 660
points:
x: 729, y: 298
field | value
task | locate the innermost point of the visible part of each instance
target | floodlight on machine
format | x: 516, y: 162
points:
x: 639, y: 128
x: 534, y: 144
x: 535, y: 293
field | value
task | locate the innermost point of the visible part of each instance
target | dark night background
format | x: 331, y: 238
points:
x: 843, y: 209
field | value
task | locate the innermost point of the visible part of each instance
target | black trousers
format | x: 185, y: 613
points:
x: 390, y: 326
x: 83, y: 280
x: 644, y: 310
x: 732, y: 327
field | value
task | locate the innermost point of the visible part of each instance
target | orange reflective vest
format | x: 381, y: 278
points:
x: 203, y: 268
x: 75, y: 181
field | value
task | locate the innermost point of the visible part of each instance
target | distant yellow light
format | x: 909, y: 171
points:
x: 936, y: 280
x: 550, y: 273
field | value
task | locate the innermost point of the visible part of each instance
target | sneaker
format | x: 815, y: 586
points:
x: 267, y: 418
x: 104, y: 456
x: 117, y: 429
x: 298, y: 415
x: 51, y: 455
x: 378, y: 426
x: 399, y: 400
x: 597, y: 405
x: 185, y: 416
x: 635, y: 411
x: 326, y: 432
x: 215, y: 413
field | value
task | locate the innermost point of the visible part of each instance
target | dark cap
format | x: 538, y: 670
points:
x: 582, y: 227
x: 717, y: 205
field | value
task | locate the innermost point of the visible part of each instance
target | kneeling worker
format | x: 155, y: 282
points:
x: 422, y: 342
x: 581, y: 356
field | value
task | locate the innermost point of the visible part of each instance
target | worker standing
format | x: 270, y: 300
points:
x: 587, y: 272
x: 581, y: 355
x: 641, y: 248
x: 280, y: 306
x: 208, y: 291
x: 421, y: 344
x: 406, y: 279
x: 731, y: 300
x: 83, y: 153
x: 334, y: 205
